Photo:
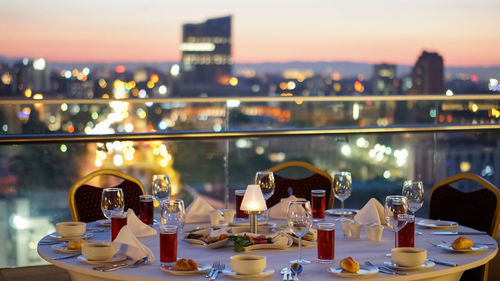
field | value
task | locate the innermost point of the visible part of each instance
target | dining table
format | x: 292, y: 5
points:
x: 361, y: 249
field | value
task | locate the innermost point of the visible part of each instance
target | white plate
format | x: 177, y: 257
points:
x: 338, y: 212
x: 437, y: 224
x: 64, y: 249
x: 202, y: 268
x: 305, y: 243
x: 265, y: 273
x: 280, y: 242
x: 104, y: 222
x: 364, y: 270
x: 468, y: 250
x: 56, y: 236
x: 214, y: 245
x: 116, y: 258
x: 425, y: 265
x: 243, y: 223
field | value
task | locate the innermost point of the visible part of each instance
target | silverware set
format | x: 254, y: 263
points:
x: 106, y: 268
x: 217, y: 267
x: 386, y: 269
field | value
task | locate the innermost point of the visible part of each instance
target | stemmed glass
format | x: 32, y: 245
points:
x: 266, y: 182
x: 342, y: 188
x: 161, y: 188
x: 112, y: 200
x: 414, y: 192
x: 395, y: 212
x: 299, y: 218
x: 173, y: 213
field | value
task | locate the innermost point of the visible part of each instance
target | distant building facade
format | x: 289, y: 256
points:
x: 428, y: 75
x: 206, y: 52
x: 384, y: 79
x: 30, y: 74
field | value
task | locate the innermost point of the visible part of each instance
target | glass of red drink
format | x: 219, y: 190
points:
x: 168, y: 244
x: 146, y: 212
x: 318, y: 204
x: 326, y: 242
x: 406, y: 236
x: 118, y: 220
x: 238, y: 198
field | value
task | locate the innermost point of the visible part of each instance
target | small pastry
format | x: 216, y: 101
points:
x: 462, y: 243
x: 75, y: 244
x: 186, y: 265
x: 349, y: 264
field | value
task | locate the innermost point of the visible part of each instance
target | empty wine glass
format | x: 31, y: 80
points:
x: 395, y: 213
x: 266, y: 182
x: 161, y: 188
x: 112, y: 200
x: 299, y: 218
x: 173, y: 213
x: 342, y: 188
x: 414, y: 192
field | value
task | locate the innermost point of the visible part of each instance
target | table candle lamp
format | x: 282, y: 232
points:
x: 253, y: 203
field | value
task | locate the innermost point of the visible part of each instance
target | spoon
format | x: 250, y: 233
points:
x: 296, y: 269
x: 117, y: 266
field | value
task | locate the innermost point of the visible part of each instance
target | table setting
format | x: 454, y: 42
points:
x: 293, y: 240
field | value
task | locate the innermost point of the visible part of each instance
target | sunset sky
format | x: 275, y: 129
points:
x: 464, y: 32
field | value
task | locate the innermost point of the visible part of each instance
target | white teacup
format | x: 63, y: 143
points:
x: 248, y: 264
x: 98, y: 251
x: 71, y: 228
x: 408, y: 256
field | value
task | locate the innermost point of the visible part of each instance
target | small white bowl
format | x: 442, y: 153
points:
x: 408, y: 256
x: 71, y: 228
x: 248, y: 264
x: 98, y: 251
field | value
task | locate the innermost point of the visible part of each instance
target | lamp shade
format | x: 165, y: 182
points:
x: 253, y: 200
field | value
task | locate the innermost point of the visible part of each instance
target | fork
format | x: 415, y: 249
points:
x: 214, y: 266
x: 218, y: 269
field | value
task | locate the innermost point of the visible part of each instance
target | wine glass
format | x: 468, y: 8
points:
x: 299, y: 218
x: 342, y: 188
x: 414, y: 192
x: 161, y: 188
x: 173, y: 213
x: 395, y: 212
x: 266, y: 182
x: 112, y: 200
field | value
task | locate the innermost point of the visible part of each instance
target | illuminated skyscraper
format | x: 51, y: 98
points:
x: 206, y: 51
x: 428, y: 75
x: 383, y: 79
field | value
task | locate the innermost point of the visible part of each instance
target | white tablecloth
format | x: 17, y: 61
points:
x: 361, y: 249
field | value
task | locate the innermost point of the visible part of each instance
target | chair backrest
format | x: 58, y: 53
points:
x: 85, y: 200
x: 301, y: 187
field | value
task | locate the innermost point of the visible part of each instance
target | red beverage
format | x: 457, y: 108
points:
x: 117, y: 222
x: 147, y: 209
x: 318, y: 204
x: 168, y: 244
x: 238, y: 198
x: 326, y: 242
x: 406, y: 236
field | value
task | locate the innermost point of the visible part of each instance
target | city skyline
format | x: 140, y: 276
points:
x: 463, y: 32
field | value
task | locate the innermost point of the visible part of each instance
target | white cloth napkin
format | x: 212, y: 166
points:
x: 278, y: 211
x: 372, y: 212
x: 198, y: 211
x: 139, y: 229
x: 126, y: 243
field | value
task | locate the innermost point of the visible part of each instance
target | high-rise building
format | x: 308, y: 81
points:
x: 206, y: 52
x: 428, y: 75
x: 384, y: 76
x: 30, y: 74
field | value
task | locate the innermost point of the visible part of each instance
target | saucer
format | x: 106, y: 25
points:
x: 64, y: 249
x: 364, y: 270
x: 338, y: 212
x: 56, y: 236
x: 437, y: 224
x: 202, y: 268
x: 116, y: 258
x: 425, y: 265
x: 265, y: 273
x: 468, y: 250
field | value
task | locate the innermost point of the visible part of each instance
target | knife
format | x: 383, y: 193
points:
x: 459, y: 233
x: 448, y: 263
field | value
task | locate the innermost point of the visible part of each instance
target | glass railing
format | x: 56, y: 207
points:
x: 211, y: 147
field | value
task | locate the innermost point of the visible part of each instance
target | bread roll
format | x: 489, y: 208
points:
x: 75, y: 244
x: 186, y: 265
x: 462, y: 243
x: 349, y: 264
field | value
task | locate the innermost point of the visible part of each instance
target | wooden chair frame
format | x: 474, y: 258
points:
x: 102, y: 172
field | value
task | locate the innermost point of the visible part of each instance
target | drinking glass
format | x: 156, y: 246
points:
x: 173, y: 213
x: 146, y: 212
x: 318, y: 201
x: 118, y: 220
x: 161, y: 188
x: 342, y: 188
x: 395, y: 213
x: 326, y: 242
x: 299, y: 218
x: 414, y: 192
x: 266, y: 182
x: 238, y: 198
x: 112, y: 200
x: 168, y: 244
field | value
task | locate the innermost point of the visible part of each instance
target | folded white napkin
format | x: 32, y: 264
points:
x: 278, y: 211
x: 372, y: 212
x: 126, y: 243
x: 139, y: 228
x: 198, y: 211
